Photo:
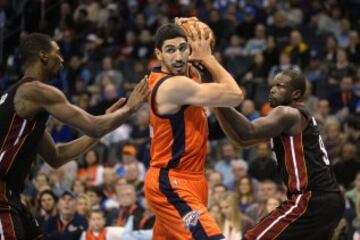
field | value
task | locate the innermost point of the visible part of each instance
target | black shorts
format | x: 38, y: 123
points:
x: 16, y: 222
x: 311, y: 215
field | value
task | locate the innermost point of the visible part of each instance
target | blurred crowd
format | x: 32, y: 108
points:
x: 108, y: 47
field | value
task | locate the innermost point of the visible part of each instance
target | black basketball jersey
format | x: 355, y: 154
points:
x: 302, y: 159
x: 19, y: 139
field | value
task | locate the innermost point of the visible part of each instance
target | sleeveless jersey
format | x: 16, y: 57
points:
x: 19, y: 139
x: 302, y: 159
x: 179, y: 141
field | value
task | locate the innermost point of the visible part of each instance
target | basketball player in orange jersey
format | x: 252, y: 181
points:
x: 175, y: 184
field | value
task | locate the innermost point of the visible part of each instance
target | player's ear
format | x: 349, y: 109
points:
x: 297, y: 94
x: 158, y: 54
x: 44, y: 57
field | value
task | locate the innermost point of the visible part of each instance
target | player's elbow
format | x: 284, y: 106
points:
x: 96, y: 133
x: 235, y: 98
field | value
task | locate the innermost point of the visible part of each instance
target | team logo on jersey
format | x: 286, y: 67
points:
x: 3, y: 98
x: 191, y: 218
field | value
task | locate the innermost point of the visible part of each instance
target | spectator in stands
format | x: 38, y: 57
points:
x: 235, y: 223
x: 78, y: 187
x: 227, y: 155
x: 41, y: 182
x: 92, y: 172
x: 108, y: 189
x: 353, y: 49
x: 239, y: 170
x: 263, y: 167
x: 214, y: 178
x: 245, y: 193
x: 280, y: 29
x: 285, y: 63
x: 348, y: 163
x: 352, y: 130
x: 271, y: 204
x: 83, y: 205
x: 128, y: 155
x: 140, y: 135
x: 333, y: 139
x: 322, y: 114
x: 219, y: 193
x: 330, y: 51
x: 128, y: 207
x: 344, y: 101
x: 255, y: 75
x: 313, y: 72
x: 133, y: 178
x: 47, y: 207
x: 257, y: 44
x: 343, y: 37
x: 246, y: 28
x: 298, y: 50
x: 97, y: 229
x: 249, y: 110
x: 341, y: 68
x: 95, y: 196
x: 215, y: 212
x: 310, y: 101
x: 272, y: 52
x: 354, y: 193
x: 108, y: 71
x: 267, y: 189
x: 67, y: 224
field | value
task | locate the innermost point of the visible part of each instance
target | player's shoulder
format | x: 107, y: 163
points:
x: 286, y: 112
x: 37, y: 90
x: 176, y: 83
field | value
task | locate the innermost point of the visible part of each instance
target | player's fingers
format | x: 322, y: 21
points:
x: 195, y: 35
x: 144, y: 87
x: 118, y: 104
x: 202, y: 33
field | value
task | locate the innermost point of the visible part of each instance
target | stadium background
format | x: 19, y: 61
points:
x: 108, y: 46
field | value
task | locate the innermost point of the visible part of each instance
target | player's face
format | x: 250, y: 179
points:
x: 174, y: 56
x: 280, y: 92
x: 55, y: 63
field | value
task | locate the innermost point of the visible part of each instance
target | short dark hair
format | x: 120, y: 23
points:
x: 32, y: 44
x: 166, y: 32
x: 297, y: 80
x: 97, y: 211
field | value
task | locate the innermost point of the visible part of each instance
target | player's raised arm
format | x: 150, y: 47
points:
x: 35, y: 96
x: 181, y: 90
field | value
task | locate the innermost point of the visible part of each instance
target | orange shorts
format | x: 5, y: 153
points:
x: 179, y: 203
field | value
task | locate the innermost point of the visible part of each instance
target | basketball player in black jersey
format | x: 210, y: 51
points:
x: 24, y: 110
x: 314, y: 204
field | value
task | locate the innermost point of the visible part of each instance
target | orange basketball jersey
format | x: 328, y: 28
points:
x: 178, y: 140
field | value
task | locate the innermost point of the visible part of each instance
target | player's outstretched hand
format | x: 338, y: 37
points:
x: 200, y: 45
x: 119, y: 103
x: 138, y: 95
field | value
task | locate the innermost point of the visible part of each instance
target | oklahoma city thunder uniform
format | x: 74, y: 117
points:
x: 175, y: 185
x: 18, y: 142
x: 314, y: 204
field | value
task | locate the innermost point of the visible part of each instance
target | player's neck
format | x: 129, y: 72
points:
x: 36, y: 73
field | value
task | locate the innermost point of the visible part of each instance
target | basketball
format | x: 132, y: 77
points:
x: 186, y: 24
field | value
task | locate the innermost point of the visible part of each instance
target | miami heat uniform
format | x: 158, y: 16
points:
x: 18, y: 142
x: 175, y: 184
x: 314, y: 205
